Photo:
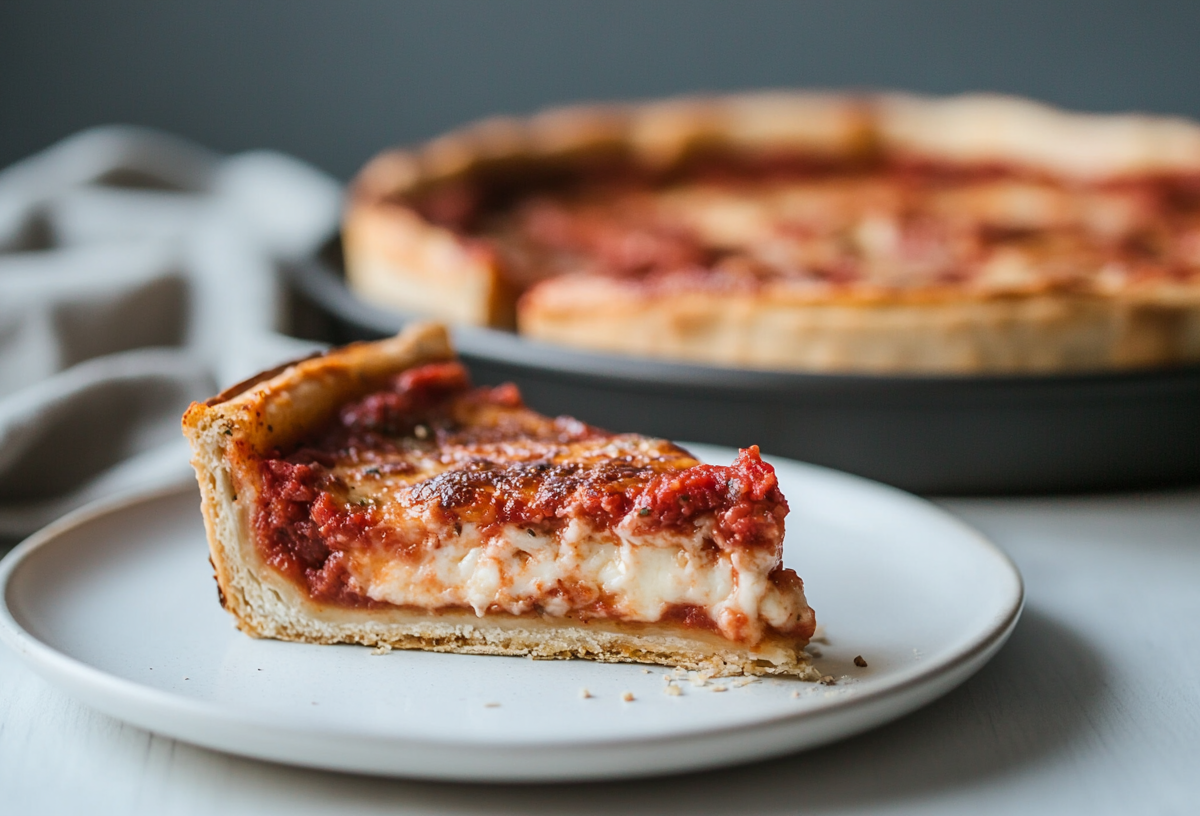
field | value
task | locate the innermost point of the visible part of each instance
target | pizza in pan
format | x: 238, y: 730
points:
x: 802, y: 232
x: 372, y: 496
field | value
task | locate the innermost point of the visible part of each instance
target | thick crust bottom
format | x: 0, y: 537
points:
x: 462, y: 632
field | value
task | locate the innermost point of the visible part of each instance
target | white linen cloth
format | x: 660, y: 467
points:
x: 138, y: 272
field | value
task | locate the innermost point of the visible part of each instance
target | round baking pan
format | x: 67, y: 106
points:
x: 927, y: 434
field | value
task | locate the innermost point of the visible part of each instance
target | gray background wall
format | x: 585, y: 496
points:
x: 333, y: 82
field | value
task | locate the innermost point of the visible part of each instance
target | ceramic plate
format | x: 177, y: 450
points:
x: 117, y: 605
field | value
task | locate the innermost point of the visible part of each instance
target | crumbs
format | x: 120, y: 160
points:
x: 827, y: 687
x: 673, y: 684
x: 677, y: 682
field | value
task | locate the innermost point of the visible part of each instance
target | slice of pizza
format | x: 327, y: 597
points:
x: 372, y: 496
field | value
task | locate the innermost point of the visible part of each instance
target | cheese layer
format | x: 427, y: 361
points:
x: 587, y: 573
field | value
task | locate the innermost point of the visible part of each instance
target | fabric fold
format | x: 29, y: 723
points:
x: 138, y: 272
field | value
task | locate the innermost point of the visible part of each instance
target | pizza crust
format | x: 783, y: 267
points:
x: 229, y: 432
x: 988, y: 128
x: 1042, y: 333
x: 441, y: 276
x: 396, y: 258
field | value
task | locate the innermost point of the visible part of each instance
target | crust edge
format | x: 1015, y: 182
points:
x: 227, y: 432
x: 461, y: 632
x: 970, y: 127
x: 1045, y: 333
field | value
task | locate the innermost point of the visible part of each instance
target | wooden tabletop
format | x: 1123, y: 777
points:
x: 1092, y: 707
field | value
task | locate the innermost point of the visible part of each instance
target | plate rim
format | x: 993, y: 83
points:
x: 76, y: 676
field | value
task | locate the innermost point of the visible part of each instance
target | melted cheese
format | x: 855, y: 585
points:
x: 637, y: 577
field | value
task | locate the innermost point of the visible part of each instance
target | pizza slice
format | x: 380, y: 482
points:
x: 372, y: 496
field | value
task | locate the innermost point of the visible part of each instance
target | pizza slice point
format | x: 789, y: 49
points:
x: 373, y: 496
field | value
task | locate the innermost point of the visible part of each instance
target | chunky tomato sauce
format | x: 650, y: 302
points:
x: 304, y: 533
x: 439, y: 449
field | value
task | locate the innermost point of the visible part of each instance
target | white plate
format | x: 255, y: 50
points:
x: 117, y: 605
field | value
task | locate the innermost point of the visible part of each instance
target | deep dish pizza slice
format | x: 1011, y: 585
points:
x: 373, y: 496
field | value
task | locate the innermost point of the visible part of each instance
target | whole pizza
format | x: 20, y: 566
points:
x: 799, y: 231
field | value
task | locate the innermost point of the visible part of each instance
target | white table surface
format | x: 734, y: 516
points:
x: 1092, y: 707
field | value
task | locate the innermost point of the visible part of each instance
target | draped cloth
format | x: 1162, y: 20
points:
x: 138, y: 272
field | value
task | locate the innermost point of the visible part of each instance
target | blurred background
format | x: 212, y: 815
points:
x: 333, y: 82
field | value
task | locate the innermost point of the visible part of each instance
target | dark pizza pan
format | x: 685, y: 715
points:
x: 940, y: 435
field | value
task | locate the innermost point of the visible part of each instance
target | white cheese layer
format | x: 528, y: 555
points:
x: 633, y: 577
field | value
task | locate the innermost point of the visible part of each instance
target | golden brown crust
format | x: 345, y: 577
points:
x: 462, y: 632
x: 229, y: 436
x: 229, y: 433
x: 941, y: 328
x: 988, y: 128
x: 275, y: 408
x: 973, y: 128
x: 773, y: 330
x: 442, y: 277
